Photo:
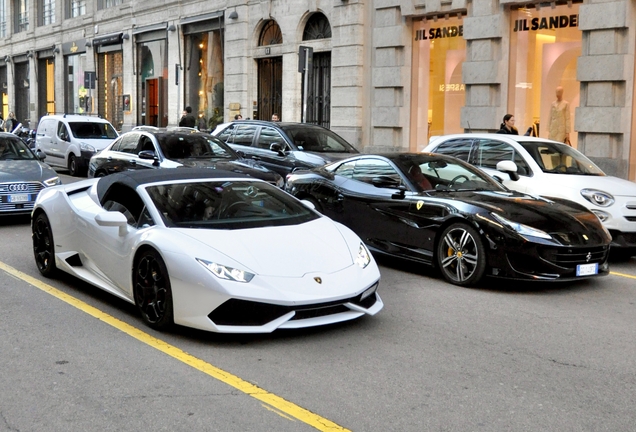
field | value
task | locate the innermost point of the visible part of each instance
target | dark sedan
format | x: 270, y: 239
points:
x: 22, y: 175
x: 441, y: 211
x: 149, y: 147
x: 284, y: 147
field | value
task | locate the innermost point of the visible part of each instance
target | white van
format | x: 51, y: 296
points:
x: 69, y: 141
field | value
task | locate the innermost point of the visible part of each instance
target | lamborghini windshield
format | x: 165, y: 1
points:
x: 557, y: 158
x: 227, y: 205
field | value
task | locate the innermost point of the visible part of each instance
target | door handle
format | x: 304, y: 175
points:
x: 256, y: 158
x: 109, y: 158
x: 133, y: 162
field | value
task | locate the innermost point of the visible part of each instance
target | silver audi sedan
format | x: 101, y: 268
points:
x: 22, y: 175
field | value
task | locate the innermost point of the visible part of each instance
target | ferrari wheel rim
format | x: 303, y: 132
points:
x: 151, y: 290
x: 42, y: 244
x: 460, y: 255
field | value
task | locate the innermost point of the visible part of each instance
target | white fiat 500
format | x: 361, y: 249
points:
x: 551, y: 169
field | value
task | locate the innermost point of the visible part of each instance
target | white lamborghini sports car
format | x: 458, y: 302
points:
x: 207, y: 249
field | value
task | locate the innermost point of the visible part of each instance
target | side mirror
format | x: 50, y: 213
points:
x: 147, y: 154
x: 508, y: 167
x: 113, y: 219
x: 308, y: 204
x: 40, y: 154
x: 241, y: 153
x: 277, y: 147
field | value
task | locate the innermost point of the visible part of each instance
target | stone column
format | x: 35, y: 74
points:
x: 391, y: 64
x: 605, y: 71
x: 485, y: 67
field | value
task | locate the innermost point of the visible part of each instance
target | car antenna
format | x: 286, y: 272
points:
x: 468, y: 126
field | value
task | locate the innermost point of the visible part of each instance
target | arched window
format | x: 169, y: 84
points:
x: 271, y: 34
x: 317, y: 27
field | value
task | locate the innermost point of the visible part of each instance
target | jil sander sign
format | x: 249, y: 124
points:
x: 441, y: 32
x: 546, y: 23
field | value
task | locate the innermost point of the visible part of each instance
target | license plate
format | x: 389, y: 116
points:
x: 18, y: 198
x: 586, y: 269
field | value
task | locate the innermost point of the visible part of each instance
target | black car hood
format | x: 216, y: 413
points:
x: 25, y: 170
x: 238, y: 166
x: 566, y: 220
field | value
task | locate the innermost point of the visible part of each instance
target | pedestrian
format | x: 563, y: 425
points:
x: 275, y: 117
x: 508, y: 126
x: 559, y: 120
x: 10, y: 123
x: 202, y: 123
x: 238, y: 117
x: 187, y: 119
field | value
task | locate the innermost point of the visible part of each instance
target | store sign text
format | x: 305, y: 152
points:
x: 451, y: 87
x: 438, y: 33
x: 547, y: 23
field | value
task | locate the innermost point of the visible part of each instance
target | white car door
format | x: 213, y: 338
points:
x: 108, y: 250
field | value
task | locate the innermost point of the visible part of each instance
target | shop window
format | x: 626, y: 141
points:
x: 21, y: 15
x: 204, y: 73
x: 152, y: 91
x: 46, y: 10
x: 545, y: 43
x: 271, y: 34
x: 439, y: 52
x: 75, y: 8
x: 105, y: 4
x: 77, y: 96
x: 3, y: 18
x: 317, y: 27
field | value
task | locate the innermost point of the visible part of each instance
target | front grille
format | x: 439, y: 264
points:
x: 7, y: 190
x: 236, y: 312
x: 566, y: 257
x: 20, y: 187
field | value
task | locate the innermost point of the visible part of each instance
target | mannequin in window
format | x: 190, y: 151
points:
x: 559, y: 120
x: 508, y: 126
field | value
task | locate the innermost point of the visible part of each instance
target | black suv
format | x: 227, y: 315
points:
x: 148, y: 147
x: 284, y: 147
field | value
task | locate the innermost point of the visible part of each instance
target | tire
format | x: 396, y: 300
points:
x: 100, y: 174
x: 461, y: 256
x: 152, y: 290
x: 73, y: 167
x: 43, y: 246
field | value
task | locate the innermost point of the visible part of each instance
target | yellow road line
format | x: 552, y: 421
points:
x: 249, y: 389
x: 623, y: 275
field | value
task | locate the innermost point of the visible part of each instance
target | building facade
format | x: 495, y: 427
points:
x: 385, y: 74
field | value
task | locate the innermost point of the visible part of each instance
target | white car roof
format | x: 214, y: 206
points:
x: 503, y: 137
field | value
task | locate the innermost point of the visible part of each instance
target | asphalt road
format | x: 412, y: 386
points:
x: 507, y: 357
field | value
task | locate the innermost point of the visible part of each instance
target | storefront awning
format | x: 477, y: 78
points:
x: 112, y: 39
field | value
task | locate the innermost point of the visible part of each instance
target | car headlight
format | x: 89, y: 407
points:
x: 52, y: 181
x: 601, y: 215
x: 600, y: 198
x: 521, y: 229
x: 225, y: 272
x: 87, y: 148
x: 364, y: 257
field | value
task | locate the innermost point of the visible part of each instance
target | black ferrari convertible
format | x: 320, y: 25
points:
x: 439, y: 210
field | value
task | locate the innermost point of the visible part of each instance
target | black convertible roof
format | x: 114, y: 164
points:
x: 135, y: 178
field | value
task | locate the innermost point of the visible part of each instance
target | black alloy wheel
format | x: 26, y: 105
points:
x: 72, y: 165
x: 43, y: 246
x: 461, y: 256
x: 153, y: 295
